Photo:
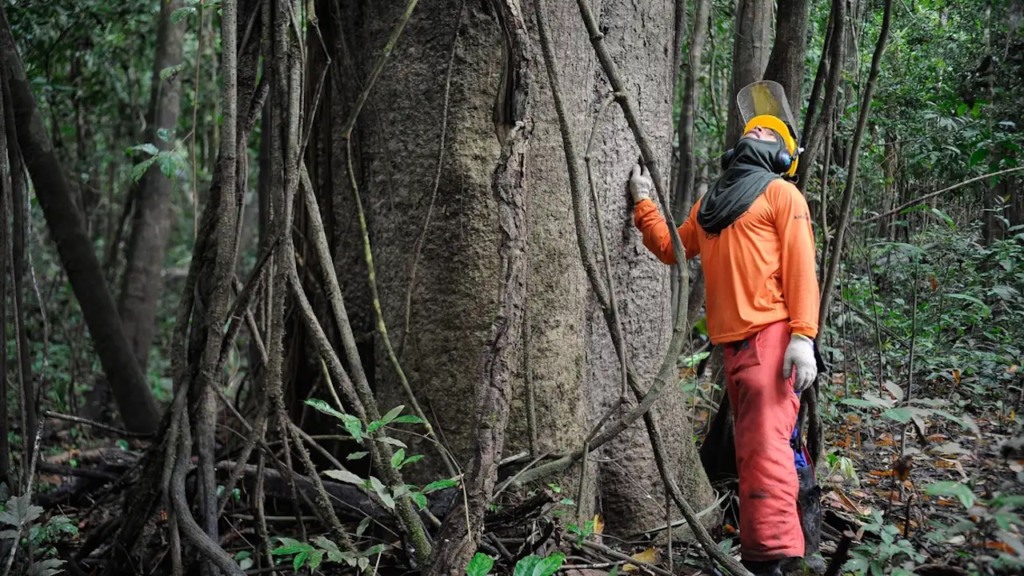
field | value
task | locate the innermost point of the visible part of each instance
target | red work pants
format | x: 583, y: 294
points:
x: 765, y: 410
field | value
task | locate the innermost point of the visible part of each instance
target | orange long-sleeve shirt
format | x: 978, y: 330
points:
x: 757, y: 271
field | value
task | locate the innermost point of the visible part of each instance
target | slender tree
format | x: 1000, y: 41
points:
x: 750, y: 52
x: 151, y: 223
x: 131, y: 392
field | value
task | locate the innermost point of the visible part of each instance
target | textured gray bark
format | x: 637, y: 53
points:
x: 572, y: 365
x: 151, y: 222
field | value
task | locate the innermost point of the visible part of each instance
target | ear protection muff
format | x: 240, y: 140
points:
x: 785, y: 162
x: 781, y: 164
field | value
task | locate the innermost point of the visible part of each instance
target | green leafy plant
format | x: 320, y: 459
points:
x: 582, y: 532
x: 303, y: 554
x: 532, y: 565
x: 373, y: 485
x: 479, y: 565
x: 890, y: 555
x: 21, y: 516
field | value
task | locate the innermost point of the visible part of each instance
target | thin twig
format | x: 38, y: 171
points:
x: 418, y: 248
x: 95, y: 424
x: 382, y: 328
x: 851, y: 171
x: 396, y: 32
x: 603, y: 243
x: 644, y: 566
x: 931, y: 195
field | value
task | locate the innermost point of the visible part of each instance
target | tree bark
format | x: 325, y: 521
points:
x: 786, y: 62
x: 131, y: 392
x: 828, y: 78
x: 750, y: 51
x: 685, y: 193
x: 435, y: 252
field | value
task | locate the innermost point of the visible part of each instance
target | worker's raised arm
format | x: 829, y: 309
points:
x: 652, y: 224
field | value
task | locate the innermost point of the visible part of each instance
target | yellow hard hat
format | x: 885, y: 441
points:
x: 764, y: 103
x: 784, y: 132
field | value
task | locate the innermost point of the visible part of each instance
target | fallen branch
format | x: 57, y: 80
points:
x: 931, y: 195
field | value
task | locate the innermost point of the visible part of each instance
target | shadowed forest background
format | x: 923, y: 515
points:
x: 331, y: 286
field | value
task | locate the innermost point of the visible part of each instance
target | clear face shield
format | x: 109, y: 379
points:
x: 765, y: 98
x: 764, y: 103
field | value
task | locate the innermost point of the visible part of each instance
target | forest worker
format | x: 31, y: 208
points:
x: 753, y: 233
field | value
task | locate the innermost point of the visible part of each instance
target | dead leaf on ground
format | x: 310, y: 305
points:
x: 845, y: 503
x: 649, y: 556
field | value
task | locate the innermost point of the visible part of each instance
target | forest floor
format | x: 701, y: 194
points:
x: 935, y: 496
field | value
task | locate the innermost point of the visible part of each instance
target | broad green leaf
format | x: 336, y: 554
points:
x: 315, y: 558
x: 407, y: 419
x: 168, y: 162
x: 977, y: 157
x: 392, y: 414
x: 289, y: 549
x: 326, y: 543
x: 419, y: 499
x: 479, y: 565
x: 901, y: 414
x: 392, y: 441
x: 382, y: 492
x: 951, y: 488
x: 182, y: 13
x: 985, y: 310
x: 148, y: 149
x: 363, y: 525
x: 356, y: 455
x: 694, y: 360
x: 374, y: 550
x: 299, y: 560
x: 950, y: 223
x: 1008, y: 500
x: 139, y: 170
x: 324, y: 407
x: 345, y: 476
x: 411, y: 460
x: 440, y: 485
x: 171, y: 71
x: 397, y: 457
x: 964, y: 420
x: 353, y: 426
x: 535, y: 566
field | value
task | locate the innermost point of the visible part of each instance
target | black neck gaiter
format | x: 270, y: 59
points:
x: 743, y: 181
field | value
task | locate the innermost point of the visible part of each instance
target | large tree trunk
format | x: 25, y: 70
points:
x: 434, y: 232
x: 151, y: 223
x: 134, y: 399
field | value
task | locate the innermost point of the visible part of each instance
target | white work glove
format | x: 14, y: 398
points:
x: 640, y: 184
x: 800, y: 355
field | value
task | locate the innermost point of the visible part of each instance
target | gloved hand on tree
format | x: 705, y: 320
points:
x: 800, y: 355
x: 640, y: 184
